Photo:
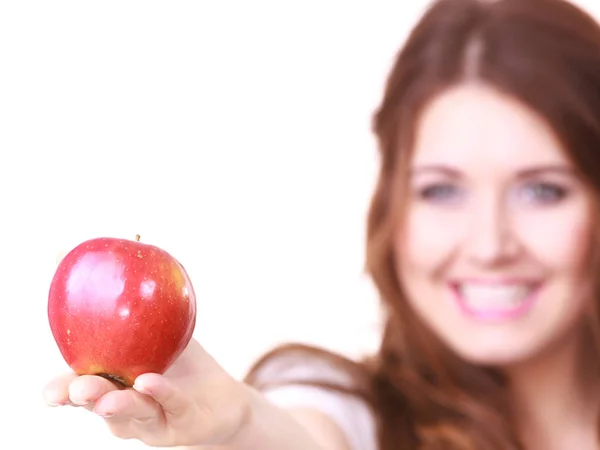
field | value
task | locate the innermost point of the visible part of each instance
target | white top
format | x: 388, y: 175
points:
x: 350, y: 413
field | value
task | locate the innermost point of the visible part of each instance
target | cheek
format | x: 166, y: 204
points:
x: 558, y: 239
x: 428, y: 237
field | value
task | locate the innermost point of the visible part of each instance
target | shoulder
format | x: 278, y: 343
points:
x: 312, y: 385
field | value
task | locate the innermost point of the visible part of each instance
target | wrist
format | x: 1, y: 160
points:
x: 268, y: 427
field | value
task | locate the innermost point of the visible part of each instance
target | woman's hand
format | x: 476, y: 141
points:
x: 194, y: 403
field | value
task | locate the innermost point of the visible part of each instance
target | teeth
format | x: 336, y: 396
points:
x: 487, y: 296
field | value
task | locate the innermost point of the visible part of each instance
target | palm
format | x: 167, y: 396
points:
x: 196, y: 377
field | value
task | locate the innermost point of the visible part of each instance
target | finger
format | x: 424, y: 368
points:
x: 172, y: 400
x: 56, y: 392
x: 128, y: 404
x: 87, y: 389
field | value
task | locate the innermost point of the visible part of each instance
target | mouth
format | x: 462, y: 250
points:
x: 487, y: 300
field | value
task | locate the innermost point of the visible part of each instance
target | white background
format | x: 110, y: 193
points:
x: 234, y: 134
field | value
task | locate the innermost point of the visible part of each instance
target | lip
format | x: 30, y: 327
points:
x: 495, y: 281
x: 496, y: 314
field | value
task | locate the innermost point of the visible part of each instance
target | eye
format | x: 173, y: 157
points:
x: 542, y: 193
x: 441, y: 193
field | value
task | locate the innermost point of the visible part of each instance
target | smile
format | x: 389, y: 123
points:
x: 495, y: 300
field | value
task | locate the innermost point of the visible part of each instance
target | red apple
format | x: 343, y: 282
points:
x: 119, y: 308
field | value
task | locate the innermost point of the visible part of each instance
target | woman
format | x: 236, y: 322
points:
x: 483, y: 244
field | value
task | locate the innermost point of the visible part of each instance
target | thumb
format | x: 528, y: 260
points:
x: 172, y: 400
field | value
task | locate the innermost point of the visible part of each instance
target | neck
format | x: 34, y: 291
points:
x: 556, y: 397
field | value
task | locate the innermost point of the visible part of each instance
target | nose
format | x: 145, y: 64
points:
x: 490, y: 239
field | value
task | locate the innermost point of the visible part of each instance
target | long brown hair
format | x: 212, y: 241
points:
x: 544, y: 53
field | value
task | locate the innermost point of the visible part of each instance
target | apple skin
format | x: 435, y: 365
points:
x: 119, y: 308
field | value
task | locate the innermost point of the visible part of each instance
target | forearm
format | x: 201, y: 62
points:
x: 268, y: 428
x: 271, y: 428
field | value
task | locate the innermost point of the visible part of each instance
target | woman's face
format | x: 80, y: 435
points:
x: 493, y: 245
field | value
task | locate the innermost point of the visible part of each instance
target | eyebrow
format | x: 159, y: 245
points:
x: 528, y: 172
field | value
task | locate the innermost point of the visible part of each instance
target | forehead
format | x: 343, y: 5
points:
x: 474, y: 126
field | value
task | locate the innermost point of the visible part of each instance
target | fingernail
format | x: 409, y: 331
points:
x: 103, y: 414
x: 80, y: 402
x: 141, y: 389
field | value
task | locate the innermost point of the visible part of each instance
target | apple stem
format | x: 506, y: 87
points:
x: 137, y: 237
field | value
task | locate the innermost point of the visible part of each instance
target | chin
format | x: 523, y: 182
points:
x: 500, y: 355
